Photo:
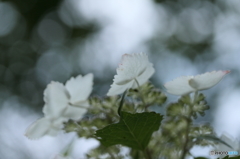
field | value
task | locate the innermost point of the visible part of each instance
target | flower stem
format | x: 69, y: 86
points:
x: 121, y: 103
x: 140, y: 93
x: 185, y: 148
x: 147, y: 154
x: 188, y: 118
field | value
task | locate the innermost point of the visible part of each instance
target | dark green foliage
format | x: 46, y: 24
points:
x: 133, y: 130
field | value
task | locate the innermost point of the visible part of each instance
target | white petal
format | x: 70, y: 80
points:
x: 208, y: 80
x: 188, y: 84
x: 40, y: 128
x: 118, y: 89
x: 179, y: 86
x: 193, y: 83
x: 74, y: 112
x: 56, y: 99
x: 133, y: 66
x: 143, y: 78
x: 80, y: 88
x: 57, y: 123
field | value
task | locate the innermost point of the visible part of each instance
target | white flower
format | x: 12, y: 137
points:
x: 61, y: 104
x: 133, y: 67
x: 67, y: 101
x: 187, y: 84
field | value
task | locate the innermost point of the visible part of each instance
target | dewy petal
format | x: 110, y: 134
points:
x: 40, y: 128
x: 209, y: 79
x: 80, y: 87
x: 56, y: 99
x: 179, y: 86
x: 133, y: 66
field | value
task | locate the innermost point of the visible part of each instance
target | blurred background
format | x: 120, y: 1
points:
x: 42, y: 40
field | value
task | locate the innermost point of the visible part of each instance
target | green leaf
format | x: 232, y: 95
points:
x: 200, y: 158
x: 133, y: 130
x: 213, y: 138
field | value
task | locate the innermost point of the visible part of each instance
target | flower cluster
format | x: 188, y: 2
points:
x: 70, y: 101
x: 61, y: 104
x: 133, y: 71
x: 187, y: 84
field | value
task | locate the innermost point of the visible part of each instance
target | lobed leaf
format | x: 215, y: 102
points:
x: 133, y: 130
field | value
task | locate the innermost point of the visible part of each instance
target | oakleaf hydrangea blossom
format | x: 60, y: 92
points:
x: 61, y: 104
x: 133, y: 67
x: 187, y: 84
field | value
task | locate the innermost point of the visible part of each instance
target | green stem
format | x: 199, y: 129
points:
x: 185, y: 148
x: 77, y: 124
x: 140, y: 93
x: 110, y: 153
x: 121, y: 103
x: 147, y: 154
x: 185, y: 145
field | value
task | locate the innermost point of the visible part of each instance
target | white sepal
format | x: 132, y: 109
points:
x: 44, y: 126
x: 61, y: 104
x: 56, y: 99
x: 79, y: 88
x: 187, y: 84
x: 133, y: 67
